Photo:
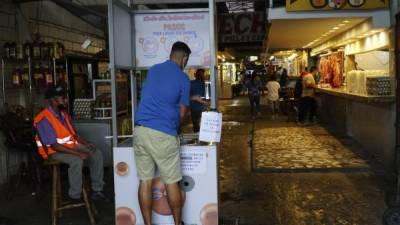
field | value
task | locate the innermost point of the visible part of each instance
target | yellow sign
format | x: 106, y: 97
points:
x: 307, y: 5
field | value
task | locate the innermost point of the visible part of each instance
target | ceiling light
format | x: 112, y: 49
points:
x: 335, y: 28
x: 341, y: 25
x: 346, y: 21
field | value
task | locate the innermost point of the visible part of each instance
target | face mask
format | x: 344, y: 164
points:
x: 62, y: 107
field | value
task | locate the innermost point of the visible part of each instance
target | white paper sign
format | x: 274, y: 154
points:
x: 194, y: 162
x: 210, y: 127
x: 155, y: 34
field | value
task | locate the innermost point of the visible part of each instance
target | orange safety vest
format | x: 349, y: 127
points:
x: 65, y: 135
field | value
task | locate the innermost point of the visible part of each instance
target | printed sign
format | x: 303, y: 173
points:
x: 157, y: 32
x: 194, y: 162
x: 306, y: 5
x: 210, y: 127
x: 241, y: 27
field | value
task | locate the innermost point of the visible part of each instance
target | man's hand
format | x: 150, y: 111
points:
x: 83, y: 156
x: 91, y: 145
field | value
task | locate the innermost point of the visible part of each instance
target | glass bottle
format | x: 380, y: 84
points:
x: 36, y: 50
x: 44, y: 50
x: 27, y: 50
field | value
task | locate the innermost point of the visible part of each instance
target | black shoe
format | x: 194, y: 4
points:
x: 99, y: 196
x: 70, y: 200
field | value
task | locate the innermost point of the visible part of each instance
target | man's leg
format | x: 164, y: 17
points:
x: 96, y: 167
x: 251, y: 100
x: 301, y: 109
x: 313, y: 109
x: 145, y: 200
x: 74, y: 172
x: 175, y: 201
x: 143, y: 143
x: 196, y: 118
x: 257, y: 103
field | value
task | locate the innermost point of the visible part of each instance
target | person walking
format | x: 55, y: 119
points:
x: 273, y: 87
x: 164, y: 103
x: 197, y: 104
x: 58, y: 140
x: 308, y: 104
x: 254, y: 87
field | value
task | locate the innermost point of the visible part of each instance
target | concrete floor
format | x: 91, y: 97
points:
x: 265, y: 178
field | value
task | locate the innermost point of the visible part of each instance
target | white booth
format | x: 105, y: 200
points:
x: 138, y: 40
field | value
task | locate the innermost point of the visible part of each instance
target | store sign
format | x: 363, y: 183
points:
x: 306, y: 5
x: 241, y: 27
x: 157, y: 32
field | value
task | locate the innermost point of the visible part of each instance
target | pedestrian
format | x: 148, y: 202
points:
x: 58, y: 140
x: 164, y: 102
x: 283, y: 78
x: 197, y: 104
x: 273, y: 87
x: 308, y: 104
x: 254, y: 87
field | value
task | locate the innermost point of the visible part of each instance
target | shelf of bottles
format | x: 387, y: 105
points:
x: 32, y: 66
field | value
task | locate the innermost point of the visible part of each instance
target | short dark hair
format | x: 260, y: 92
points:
x: 180, y: 47
x: 313, y: 68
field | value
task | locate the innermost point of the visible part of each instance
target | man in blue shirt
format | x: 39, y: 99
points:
x: 197, y: 104
x: 164, y: 101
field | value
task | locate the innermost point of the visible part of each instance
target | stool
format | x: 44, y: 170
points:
x: 57, y: 205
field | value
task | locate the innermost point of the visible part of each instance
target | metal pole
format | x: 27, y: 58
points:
x: 30, y: 80
x: 54, y: 71
x: 213, y: 67
x: 4, y: 81
x: 133, y: 97
x: 112, y: 70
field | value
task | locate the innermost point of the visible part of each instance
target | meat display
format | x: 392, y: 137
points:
x: 331, y: 69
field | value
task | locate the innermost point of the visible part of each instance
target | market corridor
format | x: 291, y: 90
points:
x: 277, y: 173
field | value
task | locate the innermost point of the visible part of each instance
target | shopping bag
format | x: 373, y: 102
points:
x: 210, y: 127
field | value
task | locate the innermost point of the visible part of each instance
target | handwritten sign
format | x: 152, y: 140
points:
x: 194, y: 162
x: 210, y: 127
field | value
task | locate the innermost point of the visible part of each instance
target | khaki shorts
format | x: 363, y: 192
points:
x: 154, y: 149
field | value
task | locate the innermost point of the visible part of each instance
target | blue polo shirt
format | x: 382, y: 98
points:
x: 165, y: 89
x: 197, y: 87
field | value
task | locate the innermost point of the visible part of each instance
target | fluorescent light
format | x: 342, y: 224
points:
x: 341, y: 25
x: 335, y: 28
x: 346, y: 21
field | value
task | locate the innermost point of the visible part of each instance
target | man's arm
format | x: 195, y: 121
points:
x: 61, y: 149
x: 198, y: 99
x: 183, y: 112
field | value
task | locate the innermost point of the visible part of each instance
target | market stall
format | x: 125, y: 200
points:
x: 138, y: 40
x: 356, y: 89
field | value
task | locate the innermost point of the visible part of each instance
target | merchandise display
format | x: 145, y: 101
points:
x: 369, y: 82
x: 83, y: 109
x: 331, y: 69
x: 37, y: 50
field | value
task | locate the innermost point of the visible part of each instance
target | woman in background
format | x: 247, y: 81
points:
x: 254, y: 87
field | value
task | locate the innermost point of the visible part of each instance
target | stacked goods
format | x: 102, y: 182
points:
x: 370, y: 82
x: 379, y: 85
x: 83, y: 109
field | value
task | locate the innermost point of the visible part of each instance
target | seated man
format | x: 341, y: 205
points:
x: 58, y: 140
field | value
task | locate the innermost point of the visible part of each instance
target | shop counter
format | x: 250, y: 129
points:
x: 369, y: 120
x: 342, y: 92
x: 199, y: 187
x: 96, y: 131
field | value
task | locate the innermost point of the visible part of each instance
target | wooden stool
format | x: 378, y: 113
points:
x: 57, y: 205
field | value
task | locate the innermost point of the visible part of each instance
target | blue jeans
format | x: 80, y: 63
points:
x: 254, y: 104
